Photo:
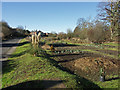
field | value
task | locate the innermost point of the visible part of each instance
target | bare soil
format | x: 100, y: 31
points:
x: 46, y: 47
x: 87, y: 64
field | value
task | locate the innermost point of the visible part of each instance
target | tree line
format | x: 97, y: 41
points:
x: 9, y: 32
x: 105, y: 27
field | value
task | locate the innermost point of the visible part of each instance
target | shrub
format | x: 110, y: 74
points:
x: 37, y: 51
x: 62, y: 35
x: 70, y: 34
x: 6, y: 30
x: 98, y: 33
x: 77, y: 31
x: 80, y: 32
x: 96, y: 36
x: 53, y: 34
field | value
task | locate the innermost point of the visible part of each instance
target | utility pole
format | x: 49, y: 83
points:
x: 25, y: 27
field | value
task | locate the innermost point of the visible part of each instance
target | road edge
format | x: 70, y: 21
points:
x: 10, y: 51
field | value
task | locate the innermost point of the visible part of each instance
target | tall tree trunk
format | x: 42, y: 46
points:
x: 111, y: 26
x: 111, y: 31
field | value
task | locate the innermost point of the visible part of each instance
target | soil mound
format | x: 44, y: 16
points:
x: 46, y: 47
x: 93, y: 64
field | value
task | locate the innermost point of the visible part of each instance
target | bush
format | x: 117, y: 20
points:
x: 96, y: 36
x: 98, y: 33
x: 77, y: 32
x: 95, y: 31
x: 81, y: 33
x: 70, y: 34
x: 52, y: 35
x: 62, y: 35
x: 37, y: 51
x: 6, y: 30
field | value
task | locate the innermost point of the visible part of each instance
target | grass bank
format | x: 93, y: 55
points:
x: 24, y: 70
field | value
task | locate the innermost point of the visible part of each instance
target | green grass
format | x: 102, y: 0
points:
x: 110, y: 83
x: 99, y: 46
x: 111, y: 44
x: 23, y: 67
x: 97, y: 52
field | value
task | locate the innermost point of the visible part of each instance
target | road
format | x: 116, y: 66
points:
x: 8, y: 47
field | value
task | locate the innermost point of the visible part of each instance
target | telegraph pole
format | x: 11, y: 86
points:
x: 25, y: 27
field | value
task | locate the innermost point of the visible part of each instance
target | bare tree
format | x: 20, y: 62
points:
x: 109, y: 11
x: 81, y: 23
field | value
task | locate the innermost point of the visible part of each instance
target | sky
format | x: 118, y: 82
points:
x: 47, y: 16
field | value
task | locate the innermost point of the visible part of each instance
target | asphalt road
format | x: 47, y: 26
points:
x: 8, y: 47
